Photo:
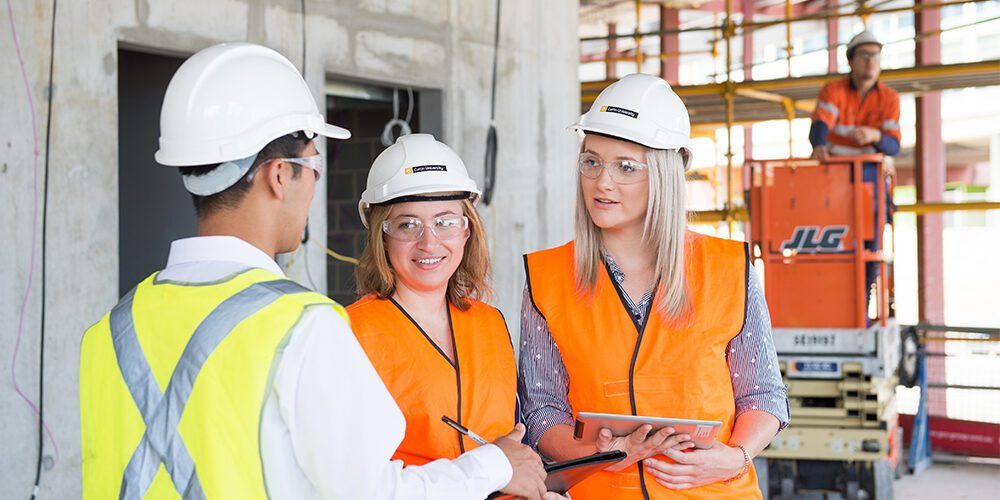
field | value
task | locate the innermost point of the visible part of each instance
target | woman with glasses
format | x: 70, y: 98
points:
x: 639, y: 316
x: 440, y: 351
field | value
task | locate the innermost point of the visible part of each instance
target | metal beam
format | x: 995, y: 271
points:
x: 760, y: 95
x: 940, y: 207
x: 928, y: 6
x: 921, y: 209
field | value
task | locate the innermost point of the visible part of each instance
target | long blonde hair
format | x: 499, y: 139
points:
x: 663, y: 230
x: 471, y: 281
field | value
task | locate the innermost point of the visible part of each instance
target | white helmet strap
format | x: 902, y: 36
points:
x: 220, y: 178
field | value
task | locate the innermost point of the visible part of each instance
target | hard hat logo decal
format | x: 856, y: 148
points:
x: 425, y: 168
x: 621, y: 111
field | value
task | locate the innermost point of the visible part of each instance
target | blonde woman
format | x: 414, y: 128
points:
x: 640, y: 316
x: 440, y: 351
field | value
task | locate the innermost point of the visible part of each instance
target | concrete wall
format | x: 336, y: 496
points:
x: 442, y: 44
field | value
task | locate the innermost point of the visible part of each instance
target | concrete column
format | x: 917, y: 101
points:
x: 669, y: 66
x: 929, y: 170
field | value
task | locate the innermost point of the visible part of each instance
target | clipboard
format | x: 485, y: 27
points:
x: 564, y: 475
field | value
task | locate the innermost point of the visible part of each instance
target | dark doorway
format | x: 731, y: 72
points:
x: 153, y: 207
x: 364, y: 110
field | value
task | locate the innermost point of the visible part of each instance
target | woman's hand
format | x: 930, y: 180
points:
x: 640, y: 444
x: 696, y: 468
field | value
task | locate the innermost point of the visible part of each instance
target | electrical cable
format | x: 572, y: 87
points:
x: 305, y: 255
x: 404, y: 125
x: 490, y: 160
x: 43, y: 428
x: 45, y: 224
x: 334, y: 255
x: 291, y: 260
x: 303, y: 12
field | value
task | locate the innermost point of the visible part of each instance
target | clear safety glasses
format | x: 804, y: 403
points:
x: 622, y: 171
x: 444, y: 227
x: 314, y: 162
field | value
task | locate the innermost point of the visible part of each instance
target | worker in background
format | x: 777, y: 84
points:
x: 858, y: 115
x: 640, y: 316
x: 217, y: 377
x: 425, y: 268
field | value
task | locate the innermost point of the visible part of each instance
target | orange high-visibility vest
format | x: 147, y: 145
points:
x: 615, y: 366
x: 842, y: 109
x: 479, y: 390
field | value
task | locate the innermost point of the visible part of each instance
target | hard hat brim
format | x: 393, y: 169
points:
x: 334, y: 132
x: 627, y: 135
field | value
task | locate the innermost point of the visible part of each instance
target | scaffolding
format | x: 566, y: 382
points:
x: 730, y: 103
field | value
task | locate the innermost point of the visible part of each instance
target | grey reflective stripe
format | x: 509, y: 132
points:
x: 890, y: 125
x: 843, y: 129
x: 161, y: 443
x: 829, y: 107
x: 837, y: 149
x: 146, y: 394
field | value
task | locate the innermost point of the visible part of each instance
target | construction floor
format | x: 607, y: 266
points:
x: 953, y: 480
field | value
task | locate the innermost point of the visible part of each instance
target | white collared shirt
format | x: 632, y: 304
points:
x: 329, y: 426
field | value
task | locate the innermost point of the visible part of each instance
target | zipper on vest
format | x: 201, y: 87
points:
x: 640, y: 328
x: 454, y: 364
x: 458, y: 378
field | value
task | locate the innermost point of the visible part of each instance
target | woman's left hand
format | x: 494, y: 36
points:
x: 696, y: 468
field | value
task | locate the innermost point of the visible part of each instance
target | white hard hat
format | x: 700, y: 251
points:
x: 642, y: 109
x: 228, y: 101
x: 864, y: 38
x: 415, y: 166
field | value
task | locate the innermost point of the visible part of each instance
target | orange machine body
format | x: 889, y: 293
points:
x: 809, y: 222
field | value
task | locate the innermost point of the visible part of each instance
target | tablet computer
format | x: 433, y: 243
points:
x: 588, y: 424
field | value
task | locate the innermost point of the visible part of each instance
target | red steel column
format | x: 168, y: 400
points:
x: 929, y: 170
x: 610, y: 58
x: 747, y: 10
x: 832, y: 38
x: 670, y: 19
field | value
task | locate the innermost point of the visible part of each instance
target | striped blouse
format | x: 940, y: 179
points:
x: 543, y: 384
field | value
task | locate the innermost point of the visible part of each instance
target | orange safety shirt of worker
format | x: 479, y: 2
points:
x: 617, y: 366
x: 479, y: 390
x: 841, y: 107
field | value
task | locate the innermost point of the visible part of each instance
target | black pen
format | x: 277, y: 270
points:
x: 463, y: 429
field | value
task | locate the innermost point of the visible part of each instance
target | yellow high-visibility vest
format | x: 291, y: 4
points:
x: 173, y: 381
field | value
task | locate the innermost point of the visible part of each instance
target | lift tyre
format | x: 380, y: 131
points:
x: 908, y: 359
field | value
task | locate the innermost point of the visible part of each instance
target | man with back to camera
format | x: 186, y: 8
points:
x: 217, y: 377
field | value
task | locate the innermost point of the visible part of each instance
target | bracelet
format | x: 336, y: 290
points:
x: 746, y: 465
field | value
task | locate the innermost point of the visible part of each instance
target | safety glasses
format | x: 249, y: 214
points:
x: 314, y: 162
x: 622, y: 171
x: 444, y: 227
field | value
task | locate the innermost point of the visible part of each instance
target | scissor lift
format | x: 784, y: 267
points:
x: 838, y: 346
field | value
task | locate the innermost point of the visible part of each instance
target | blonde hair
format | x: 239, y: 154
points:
x: 374, y: 273
x: 663, y: 231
